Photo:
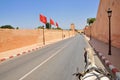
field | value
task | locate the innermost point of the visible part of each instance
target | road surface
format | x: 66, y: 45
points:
x: 54, y: 62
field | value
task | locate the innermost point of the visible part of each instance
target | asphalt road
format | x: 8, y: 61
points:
x: 54, y: 62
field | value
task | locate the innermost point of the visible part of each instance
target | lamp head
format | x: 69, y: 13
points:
x: 109, y: 12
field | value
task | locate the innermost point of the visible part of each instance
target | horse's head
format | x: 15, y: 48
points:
x: 93, y: 75
x: 92, y: 72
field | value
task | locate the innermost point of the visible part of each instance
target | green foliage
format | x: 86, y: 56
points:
x: 59, y: 28
x: 48, y: 26
x: 40, y: 27
x: 90, y: 20
x: 17, y: 27
x: 76, y: 30
x: 56, y: 28
x: 7, y: 27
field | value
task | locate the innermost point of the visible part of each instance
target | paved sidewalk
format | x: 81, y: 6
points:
x: 110, y: 61
x: 103, y: 48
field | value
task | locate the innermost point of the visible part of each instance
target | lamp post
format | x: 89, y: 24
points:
x: 90, y: 32
x: 109, y: 16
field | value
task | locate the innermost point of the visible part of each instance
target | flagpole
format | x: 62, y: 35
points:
x: 43, y: 36
x: 69, y: 32
x: 49, y: 26
x: 43, y: 19
x: 62, y: 34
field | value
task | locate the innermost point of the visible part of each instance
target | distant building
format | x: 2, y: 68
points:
x: 72, y: 27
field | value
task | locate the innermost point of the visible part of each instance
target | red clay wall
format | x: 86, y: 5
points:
x: 100, y: 27
x: 11, y: 39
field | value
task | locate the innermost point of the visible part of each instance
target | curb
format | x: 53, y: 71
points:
x: 25, y: 52
x: 22, y: 53
x: 19, y: 54
x: 113, y: 69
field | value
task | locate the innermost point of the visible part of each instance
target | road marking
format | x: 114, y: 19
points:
x: 43, y: 62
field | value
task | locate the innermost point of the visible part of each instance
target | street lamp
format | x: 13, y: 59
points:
x: 90, y: 32
x: 109, y: 16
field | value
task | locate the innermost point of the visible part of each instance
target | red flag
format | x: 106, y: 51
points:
x: 43, y: 19
x: 57, y: 24
x: 52, y: 22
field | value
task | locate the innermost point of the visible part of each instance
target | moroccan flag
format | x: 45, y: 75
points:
x: 43, y: 19
x: 57, y: 24
x: 52, y: 22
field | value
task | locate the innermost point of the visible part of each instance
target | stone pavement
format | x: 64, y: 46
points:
x: 111, y: 61
x: 103, y: 48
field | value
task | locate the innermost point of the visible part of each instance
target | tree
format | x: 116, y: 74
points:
x: 76, y: 30
x: 59, y: 28
x: 17, y: 27
x: 40, y: 27
x: 90, y: 20
x: 7, y: 27
x: 48, y: 26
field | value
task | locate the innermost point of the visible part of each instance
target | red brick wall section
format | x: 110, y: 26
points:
x: 101, y: 26
x: 11, y: 39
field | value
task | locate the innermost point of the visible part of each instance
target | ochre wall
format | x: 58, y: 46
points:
x: 11, y: 39
x: 100, y: 28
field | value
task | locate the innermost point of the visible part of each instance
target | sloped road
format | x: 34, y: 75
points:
x: 54, y: 62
